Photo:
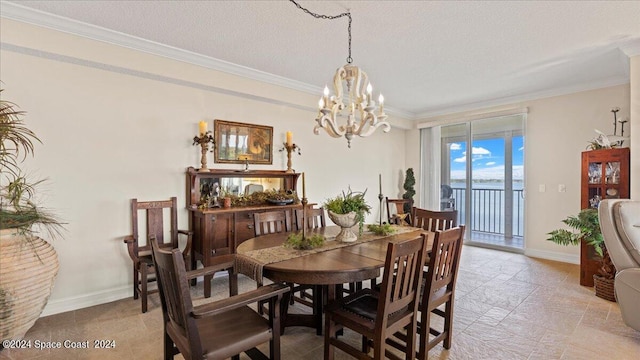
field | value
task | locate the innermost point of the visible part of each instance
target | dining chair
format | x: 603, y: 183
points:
x: 154, y: 214
x: 315, y: 218
x: 215, y: 330
x: 378, y: 315
x: 271, y: 222
x: 398, y: 211
x: 438, y: 289
x: 433, y: 220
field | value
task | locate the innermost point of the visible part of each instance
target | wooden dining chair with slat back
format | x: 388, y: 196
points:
x: 309, y: 295
x: 271, y: 222
x: 315, y: 218
x: 398, y: 211
x: 434, y: 220
x: 216, y: 330
x: 378, y: 315
x: 438, y: 289
x: 154, y: 214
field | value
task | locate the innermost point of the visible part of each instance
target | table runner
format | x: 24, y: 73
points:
x: 252, y: 262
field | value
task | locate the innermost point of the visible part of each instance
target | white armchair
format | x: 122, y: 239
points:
x: 620, y: 225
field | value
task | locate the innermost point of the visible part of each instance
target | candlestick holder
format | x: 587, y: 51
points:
x: 380, y: 197
x: 304, y: 217
x: 290, y: 148
x: 203, y: 140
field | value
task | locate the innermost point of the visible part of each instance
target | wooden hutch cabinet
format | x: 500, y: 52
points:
x: 605, y: 175
x: 219, y: 230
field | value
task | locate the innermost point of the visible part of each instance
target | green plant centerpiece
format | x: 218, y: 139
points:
x: 296, y: 241
x: 29, y: 263
x: 383, y: 229
x: 586, y: 227
x: 346, y: 211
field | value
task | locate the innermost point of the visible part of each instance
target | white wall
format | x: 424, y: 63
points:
x: 117, y: 124
x: 634, y: 122
x: 557, y: 130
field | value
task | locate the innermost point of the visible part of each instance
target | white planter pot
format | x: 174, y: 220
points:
x: 28, y: 269
x: 346, y: 222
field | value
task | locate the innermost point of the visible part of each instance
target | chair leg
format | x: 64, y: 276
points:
x: 233, y: 283
x: 410, y: 350
x: 292, y: 299
x: 424, y: 335
x: 135, y: 282
x: 207, y: 285
x: 328, y: 334
x: 168, y: 347
x: 448, y: 323
x: 143, y: 287
x: 317, y: 307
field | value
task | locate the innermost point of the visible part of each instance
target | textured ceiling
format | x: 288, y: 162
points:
x: 427, y: 57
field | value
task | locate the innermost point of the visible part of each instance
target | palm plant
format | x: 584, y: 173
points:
x: 17, y: 209
x: 587, y: 228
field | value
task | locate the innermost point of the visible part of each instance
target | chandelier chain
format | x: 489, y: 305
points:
x: 330, y: 17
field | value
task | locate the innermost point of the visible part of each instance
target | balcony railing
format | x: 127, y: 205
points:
x: 489, y: 213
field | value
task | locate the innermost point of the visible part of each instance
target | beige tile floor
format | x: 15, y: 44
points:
x: 508, y: 306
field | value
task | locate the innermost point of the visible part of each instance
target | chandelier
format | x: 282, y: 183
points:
x: 352, y: 95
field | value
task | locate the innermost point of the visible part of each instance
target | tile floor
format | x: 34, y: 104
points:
x: 508, y: 307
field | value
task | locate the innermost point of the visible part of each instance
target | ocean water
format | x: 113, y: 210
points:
x: 488, y: 210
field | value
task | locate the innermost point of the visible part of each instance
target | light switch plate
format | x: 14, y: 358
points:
x: 542, y: 188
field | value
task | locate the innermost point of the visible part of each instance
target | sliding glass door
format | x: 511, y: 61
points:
x: 482, y: 170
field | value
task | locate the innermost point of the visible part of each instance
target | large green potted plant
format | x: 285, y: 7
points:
x: 28, y: 263
x: 586, y: 226
x: 346, y: 211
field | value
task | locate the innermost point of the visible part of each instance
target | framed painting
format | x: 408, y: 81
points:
x: 237, y: 143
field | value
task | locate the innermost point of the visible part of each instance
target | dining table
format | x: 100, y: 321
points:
x: 326, y: 268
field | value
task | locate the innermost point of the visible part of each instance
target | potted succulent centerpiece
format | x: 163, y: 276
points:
x: 346, y: 211
x: 28, y: 263
x: 587, y: 228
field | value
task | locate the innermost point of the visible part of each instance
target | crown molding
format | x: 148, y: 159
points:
x: 619, y: 80
x: 28, y: 15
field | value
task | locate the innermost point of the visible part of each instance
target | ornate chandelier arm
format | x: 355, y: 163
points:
x: 374, y: 124
x: 327, y: 123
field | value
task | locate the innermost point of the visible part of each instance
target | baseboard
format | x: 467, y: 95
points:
x: 86, y: 300
x: 550, y: 255
x: 96, y: 298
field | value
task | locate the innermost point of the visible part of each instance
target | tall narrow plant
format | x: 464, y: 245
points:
x: 409, y: 182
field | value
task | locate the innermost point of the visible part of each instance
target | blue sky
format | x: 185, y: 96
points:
x: 487, y: 157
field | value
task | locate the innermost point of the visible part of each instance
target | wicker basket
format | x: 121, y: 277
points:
x: 604, y: 288
x: 27, y: 273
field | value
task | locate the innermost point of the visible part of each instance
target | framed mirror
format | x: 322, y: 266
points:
x: 237, y: 143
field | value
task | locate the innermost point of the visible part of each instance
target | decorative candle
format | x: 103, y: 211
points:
x: 325, y: 98
x: 304, y: 190
x: 380, y: 182
x: 320, y: 104
x: 381, y: 101
x: 369, y: 90
x: 289, y: 138
x: 203, y: 127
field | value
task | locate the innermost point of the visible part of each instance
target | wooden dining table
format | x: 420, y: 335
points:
x: 324, y: 268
